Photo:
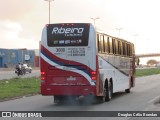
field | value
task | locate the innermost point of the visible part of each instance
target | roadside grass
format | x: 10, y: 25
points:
x: 18, y: 87
x: 146, y: 72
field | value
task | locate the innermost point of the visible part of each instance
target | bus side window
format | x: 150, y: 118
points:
x: 98, y: 43
x: 119, y: 47
x: 100, y: 49
x: 104, y: 48
x: 110, y: 45
x: 128, y: 50
x: 102, y: 44
x: 113, y: 46
x: 116, y: 47
x: 123, y: 49
x: 106, y: 44
x: 131, y: 52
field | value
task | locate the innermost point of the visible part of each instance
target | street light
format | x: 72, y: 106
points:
x: 119, y: 30
x: 49, y: 1
x: 94, y: 19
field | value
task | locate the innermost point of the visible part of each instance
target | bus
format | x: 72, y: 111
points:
x: 76, y: 60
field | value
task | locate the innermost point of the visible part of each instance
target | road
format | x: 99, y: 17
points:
x: 11, y: 74
x: 140, y: 99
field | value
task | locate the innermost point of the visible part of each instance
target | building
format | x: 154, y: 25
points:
x: 11, y: 57
x: 37, y: 61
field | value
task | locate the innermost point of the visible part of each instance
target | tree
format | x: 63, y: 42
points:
x: 151, y: 62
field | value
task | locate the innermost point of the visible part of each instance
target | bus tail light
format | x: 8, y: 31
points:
x: 94, y: 75
x: 43, y: 75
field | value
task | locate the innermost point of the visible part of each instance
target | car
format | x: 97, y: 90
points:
x: 27, y: 68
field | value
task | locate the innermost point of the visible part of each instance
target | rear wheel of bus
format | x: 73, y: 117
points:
x: 107, y: 91
x: 57, y: 98
x: 127, y: 90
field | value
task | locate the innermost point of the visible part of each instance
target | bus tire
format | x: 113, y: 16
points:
x: 101, y: 99
x: 109, y: 91
x: 127, y: 90
x: 58, y: 99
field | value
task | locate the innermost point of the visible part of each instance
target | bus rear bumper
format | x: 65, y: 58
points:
x: 67, y: 90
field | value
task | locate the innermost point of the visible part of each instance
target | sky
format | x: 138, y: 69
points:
x: 22, y: 21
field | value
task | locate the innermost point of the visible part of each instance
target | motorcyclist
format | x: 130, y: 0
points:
x: 18, y: 69
x: 23, y: 69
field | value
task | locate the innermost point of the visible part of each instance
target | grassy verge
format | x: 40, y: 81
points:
x: 17, y: 87
x: 145, y: 72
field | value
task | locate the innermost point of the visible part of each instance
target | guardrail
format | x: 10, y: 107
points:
x: 148, y: 55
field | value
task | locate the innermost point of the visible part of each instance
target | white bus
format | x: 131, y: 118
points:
x: 76, y: 60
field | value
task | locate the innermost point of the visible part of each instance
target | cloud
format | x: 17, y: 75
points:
x: 11, y: 36
x: 17, y: 24
x: 10, y: 29
x: 15, y: 9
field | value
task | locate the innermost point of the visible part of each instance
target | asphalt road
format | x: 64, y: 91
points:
x: 141, y: 98
x: 11, y: 74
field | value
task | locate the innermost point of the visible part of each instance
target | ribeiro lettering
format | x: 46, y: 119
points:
x: 62, y: 30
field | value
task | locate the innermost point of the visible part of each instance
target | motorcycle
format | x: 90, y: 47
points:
x: 19, y: 71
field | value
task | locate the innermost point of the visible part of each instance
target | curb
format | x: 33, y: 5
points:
x: 18, y: 97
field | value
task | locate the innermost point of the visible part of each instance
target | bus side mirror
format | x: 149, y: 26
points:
x: 137, y: 61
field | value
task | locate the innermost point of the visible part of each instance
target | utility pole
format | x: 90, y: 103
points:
x: 49, y: 1
x: 94, y: 19
x: 119, y: 30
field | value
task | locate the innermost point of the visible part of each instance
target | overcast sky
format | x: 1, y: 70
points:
x: 21, y: 21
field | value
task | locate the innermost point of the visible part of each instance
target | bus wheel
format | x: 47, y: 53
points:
x: 101, y: 99
x: 109, y: 92
x: 58, y: 99
x: 127, y: 90
x: 55, y: 98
